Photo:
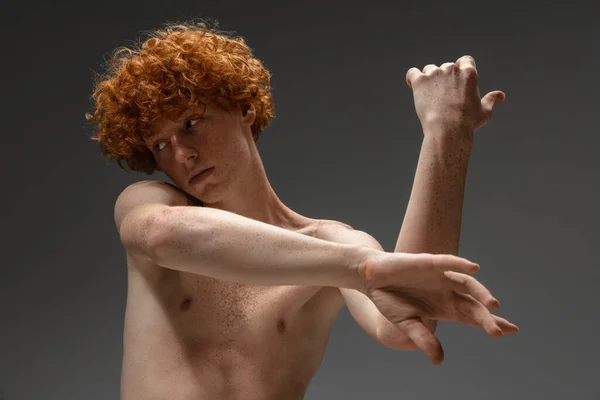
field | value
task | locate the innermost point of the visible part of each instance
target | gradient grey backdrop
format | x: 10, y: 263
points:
x: 344, y: 145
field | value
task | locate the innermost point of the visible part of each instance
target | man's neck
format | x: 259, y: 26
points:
x: 256, y: 199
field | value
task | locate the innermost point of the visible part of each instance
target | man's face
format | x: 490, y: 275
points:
x: 206, y: 139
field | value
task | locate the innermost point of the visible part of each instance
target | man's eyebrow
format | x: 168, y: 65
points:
x: 157, y: 133
x: 152, y: 138
x: 178, y: 123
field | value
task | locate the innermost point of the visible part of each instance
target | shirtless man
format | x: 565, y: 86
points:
x: 231, y: 294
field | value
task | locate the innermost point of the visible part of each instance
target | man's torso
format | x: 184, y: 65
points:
x: 193, y: 337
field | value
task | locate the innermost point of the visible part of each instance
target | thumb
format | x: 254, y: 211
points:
x: 491, y: 100
x: 423, y: 339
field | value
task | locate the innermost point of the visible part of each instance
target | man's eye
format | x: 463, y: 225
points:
x: 190, y: 122
x: 159, y: 146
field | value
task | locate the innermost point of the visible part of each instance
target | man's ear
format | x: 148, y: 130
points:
x: 248, y: 114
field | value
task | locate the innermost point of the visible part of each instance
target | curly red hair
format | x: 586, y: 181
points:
x: 163, y: 76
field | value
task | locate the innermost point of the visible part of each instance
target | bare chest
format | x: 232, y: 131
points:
x: 233, y: 311
x: 188, y: 307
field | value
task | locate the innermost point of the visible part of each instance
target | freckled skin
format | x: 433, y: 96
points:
x: 193, y: 337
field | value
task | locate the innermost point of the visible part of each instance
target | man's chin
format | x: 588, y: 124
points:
x: 207, y: 193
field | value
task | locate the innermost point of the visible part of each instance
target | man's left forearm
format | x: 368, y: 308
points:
x: 449, y: 106
x: 433, y: 217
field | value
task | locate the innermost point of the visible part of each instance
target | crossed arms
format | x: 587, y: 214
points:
x: 154, y: 223
x: 227, y: 246
x: 431, y: 225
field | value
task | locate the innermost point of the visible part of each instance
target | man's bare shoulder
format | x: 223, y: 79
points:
x: 339, y: 232
x: 150, y: 192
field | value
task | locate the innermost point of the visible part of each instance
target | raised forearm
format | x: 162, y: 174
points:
x: 227, y: 246
x: 450, y: 109
x: 433, y: 217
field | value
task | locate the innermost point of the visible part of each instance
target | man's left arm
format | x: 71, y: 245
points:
x: 432, y: 220
x: 431, y: 225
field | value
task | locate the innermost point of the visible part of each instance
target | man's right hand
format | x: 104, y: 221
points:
x: 407, y: 287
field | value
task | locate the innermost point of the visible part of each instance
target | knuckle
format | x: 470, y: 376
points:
x: 449, y: 66
x: 417, y: 79
x: 413, y: 75
x: 466, y: 281
x: 442, y: 260
x: 430, y: 68
x: 471, y: 78
x: 470, y: 70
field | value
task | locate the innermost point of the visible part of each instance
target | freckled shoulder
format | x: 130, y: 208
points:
x: 150, y: 192
x: 339, y: 232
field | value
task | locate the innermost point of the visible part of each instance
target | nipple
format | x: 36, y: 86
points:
x: 281, y: 326
x: 186, y: 303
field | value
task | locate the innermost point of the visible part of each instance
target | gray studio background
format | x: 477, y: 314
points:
x: 344, y: 145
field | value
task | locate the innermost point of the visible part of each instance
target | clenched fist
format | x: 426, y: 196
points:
x: 447, y: 97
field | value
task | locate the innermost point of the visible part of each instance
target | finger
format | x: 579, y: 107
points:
x: 501, y: 322
x: 449, y: 67
x: 394, y: 337
x: 429, y: 68
x: 467, y: 284
x: 466, y: 61
x: 449, y: 262
x: 474, y: 310
x: 424, y: 339
x: 491, y: 100
x: 467, y: 68
x: 506, y: 326
x: 411, y: 75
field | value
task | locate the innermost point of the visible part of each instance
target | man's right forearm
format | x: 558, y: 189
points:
x: 226, y: 246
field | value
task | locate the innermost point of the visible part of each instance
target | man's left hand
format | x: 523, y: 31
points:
x: 447, y: 97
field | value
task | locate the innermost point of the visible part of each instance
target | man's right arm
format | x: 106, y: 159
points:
x: 154, y: 222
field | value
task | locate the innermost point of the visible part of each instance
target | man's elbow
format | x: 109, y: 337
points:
x: 144, y: 231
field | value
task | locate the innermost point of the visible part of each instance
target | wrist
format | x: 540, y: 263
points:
x: 358, y: 268
x: 455, y: 141
x: 455, y: 131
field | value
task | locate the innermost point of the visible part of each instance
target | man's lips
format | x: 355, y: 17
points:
x: 199, y: 175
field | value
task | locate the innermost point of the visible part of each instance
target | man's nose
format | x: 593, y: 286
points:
x: 184, y: 150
